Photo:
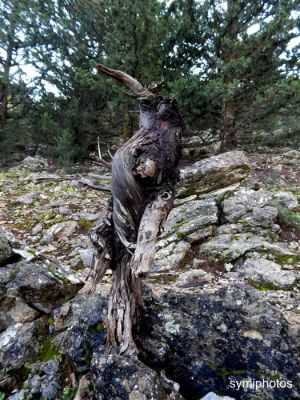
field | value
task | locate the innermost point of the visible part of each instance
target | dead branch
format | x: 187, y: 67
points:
x: 92, y: 185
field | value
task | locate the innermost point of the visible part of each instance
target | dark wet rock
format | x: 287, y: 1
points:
x: 204, y: 339
x: 14, y: 310
x: 81, y: 329
x: 117, y: 377
x: 18, y: 345
x: 44, y: 382
x: 42, y: 284
x: 85, y: 310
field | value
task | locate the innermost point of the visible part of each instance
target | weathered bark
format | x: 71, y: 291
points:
x: 143, y: 178
x: 4, y: 84
x: 228, y: 132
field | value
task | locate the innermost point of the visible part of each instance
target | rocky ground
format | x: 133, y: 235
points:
x: 222, y: 299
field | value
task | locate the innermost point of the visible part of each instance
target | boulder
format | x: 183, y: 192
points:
x: 228, y: 247
x: 18, y: 344
x: 5, y: 248
x: 42, y: 284
x: 205, y: 339
x: 35, y: 163
x: 44, y: 381
x: 187, y: 224
x: 117, y: 377
x: 213, y: 173
x: 59, y: 231
x: 267, y: 274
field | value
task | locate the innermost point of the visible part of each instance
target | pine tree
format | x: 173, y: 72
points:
x: 214, y: 37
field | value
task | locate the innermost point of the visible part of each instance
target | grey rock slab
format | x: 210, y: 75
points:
x: 213, y: 173
x: 229, y: 247
x: 171, y: 257
x: 259, y: 270
x: 58, y: 231
x: 44, y: 382
x: 87, y: 256
x: 15, y: 310
x: 193, y: 276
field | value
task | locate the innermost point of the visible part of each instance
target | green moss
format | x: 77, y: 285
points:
x: 48, y: 351
x: 80, y: 266
x: 98, y: 328
x: 267, y: 286
x: 57, y: 277
x: 287, y: 259
x: 8, y: 175
x: 296, y: 312
x: 69, y: 393
x: 188, y: 190
x: 224, y: 372
x: 224, y: 196
x: 13, y: 274
x: 25, y: 224
x: 85, y: 223
x: 51, y: 321
x: 158, y: 306
x: 163, y: 278
x: 104, y: 181
x: 180, y: 235
x: 290, y: 218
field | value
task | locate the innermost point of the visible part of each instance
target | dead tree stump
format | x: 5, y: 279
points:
x: 144, y: 172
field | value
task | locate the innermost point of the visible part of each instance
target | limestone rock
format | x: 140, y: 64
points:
x: 261, y: 271
x: 58, y: 231
x: 35, y: 163
x: 5, y: 248
x: 27, y: 198
x: 214, y: 396
x: 228, y: 247
x: 213, y: 173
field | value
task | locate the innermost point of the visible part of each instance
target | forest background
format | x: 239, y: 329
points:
x: 232, y: 65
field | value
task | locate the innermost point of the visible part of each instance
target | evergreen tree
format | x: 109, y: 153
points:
x: 214, y: 38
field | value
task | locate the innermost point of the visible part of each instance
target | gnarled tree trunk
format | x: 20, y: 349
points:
x: 143, y: 178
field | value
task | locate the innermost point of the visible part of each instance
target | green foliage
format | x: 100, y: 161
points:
x: 69, y: 393
x: 65, y: 148
x: 289, y: 218
x: 207, y: 53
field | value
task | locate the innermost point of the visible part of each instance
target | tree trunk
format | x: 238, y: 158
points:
x: 228, y: 131
x: 143, y: 178
x: 4, y: 90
